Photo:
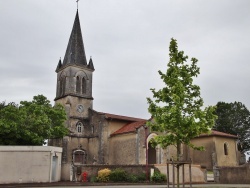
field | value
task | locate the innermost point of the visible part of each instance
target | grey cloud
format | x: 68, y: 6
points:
x: 128, y: 41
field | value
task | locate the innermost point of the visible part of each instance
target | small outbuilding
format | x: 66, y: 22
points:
x: 220, y: 150
x: 30, y: 164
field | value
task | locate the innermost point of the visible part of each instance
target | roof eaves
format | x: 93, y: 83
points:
x: 120, y: 117
x: 218, y: 134
x: 122, y: 133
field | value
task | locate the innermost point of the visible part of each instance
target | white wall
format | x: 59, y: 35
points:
x: 27, y: 164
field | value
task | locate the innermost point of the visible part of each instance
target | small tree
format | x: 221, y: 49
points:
x: 31, y: 123
x: 234, y: 118
x: 177, y: 109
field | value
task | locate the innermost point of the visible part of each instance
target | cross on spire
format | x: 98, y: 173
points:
x: 77, y: 3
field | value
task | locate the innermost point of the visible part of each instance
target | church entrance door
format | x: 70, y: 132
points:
x: 151, y: 154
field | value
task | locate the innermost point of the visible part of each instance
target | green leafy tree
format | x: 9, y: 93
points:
x: 31, y: 123
x: 9, y: 121
x: 177, y: 108
x: 234, y: 118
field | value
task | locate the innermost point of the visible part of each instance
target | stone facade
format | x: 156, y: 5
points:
x: 220, y: 150
x: 132, y: 152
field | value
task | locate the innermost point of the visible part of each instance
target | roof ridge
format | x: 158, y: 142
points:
x: 217, y: 133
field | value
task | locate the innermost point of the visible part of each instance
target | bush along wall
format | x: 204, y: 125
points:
x: 135, y: 173
x: 118, y: 175
x: 158, y: 177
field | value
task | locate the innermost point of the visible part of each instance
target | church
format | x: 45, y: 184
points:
x: 94, y: 137
x: 98, y: 137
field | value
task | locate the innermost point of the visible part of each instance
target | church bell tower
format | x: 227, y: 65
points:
x: 74, y: 91
x: 74, y: 82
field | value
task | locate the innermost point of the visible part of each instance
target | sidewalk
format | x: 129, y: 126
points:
x: 77, y: 184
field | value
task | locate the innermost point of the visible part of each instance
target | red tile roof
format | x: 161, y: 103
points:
x: 218, y: 133
x: 119, y: 117
x: 130, y: 127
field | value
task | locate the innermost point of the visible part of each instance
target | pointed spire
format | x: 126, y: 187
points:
x: 75, y: 53
x: 91, y: 65
x: 59, y: 65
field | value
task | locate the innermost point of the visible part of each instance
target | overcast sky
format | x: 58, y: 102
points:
x: 128, y: 41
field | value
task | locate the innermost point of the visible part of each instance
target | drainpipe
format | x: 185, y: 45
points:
x: 137, y: 147
x: 237, y: 152
x: 50, y: 165
x: 146, y: 144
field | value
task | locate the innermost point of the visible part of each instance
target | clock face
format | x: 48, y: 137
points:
x: 80, y: 108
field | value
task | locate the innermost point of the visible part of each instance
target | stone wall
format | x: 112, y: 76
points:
x: 92, y: 170
x: 234, y: 175
x: 231, y: 158
x: 198, y: 173
x: 123, y: 149
x: 203, y: 158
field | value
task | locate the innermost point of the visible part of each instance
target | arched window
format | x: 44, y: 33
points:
x: 83, y: 86
x: 225, y: 148
x: 79, y: 127
x: 79, y: 157
x: 78, y: 85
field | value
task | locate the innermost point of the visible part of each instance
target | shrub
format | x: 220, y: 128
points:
x: 141, y: 177
x: 93, y: 179
x: 158, y: 177
x: 132, y: 178
x: 118, y: 175
x: 103, y: 175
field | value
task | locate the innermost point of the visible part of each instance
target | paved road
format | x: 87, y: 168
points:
x: 162, y: 186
